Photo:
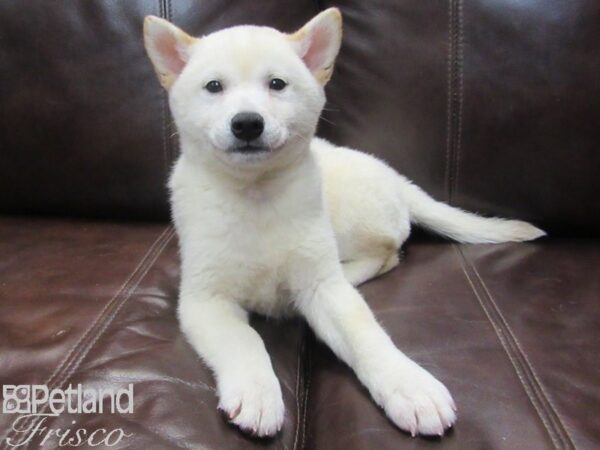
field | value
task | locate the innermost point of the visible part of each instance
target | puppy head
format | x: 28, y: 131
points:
x: 247, y: 95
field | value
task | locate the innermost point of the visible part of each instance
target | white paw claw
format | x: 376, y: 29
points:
x: 255, y: 405
x: 417, y: 403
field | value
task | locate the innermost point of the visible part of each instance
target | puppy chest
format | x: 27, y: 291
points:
x: 250, y: 269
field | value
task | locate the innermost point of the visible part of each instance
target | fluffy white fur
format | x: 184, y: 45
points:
x: 291, y: 228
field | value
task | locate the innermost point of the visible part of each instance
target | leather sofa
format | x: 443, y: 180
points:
x: 490, y: 105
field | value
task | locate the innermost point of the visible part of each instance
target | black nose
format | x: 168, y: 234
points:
x: 247, y: 125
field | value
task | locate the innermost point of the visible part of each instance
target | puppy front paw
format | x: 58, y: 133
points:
x: 416, y: 401
x: 253, y: 403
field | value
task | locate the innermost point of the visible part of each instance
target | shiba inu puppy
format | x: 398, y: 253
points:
x: 273, y: 220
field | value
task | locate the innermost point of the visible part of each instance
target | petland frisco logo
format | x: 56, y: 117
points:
x: 36, y: 403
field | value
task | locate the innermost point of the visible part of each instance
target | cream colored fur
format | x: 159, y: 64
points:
x: 291, y: 229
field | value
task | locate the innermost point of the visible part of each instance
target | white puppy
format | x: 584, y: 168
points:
x: 273, y: 220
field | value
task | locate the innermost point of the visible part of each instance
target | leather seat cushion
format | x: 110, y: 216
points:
x: 512, y: 330
x: 509, y: 328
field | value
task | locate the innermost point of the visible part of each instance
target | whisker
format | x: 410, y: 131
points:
x: 301, y: 137
x: 328, y: 121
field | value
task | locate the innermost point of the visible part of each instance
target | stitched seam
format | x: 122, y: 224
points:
x: 116, y: 311
x: 165, y: 130
x: 168, y: 118
x: 118, y: 308
x: 164, y: 8
x: 459, y: 106
x: 543, y: 394
x: 169, y: 10
x: 298, y: 380
x: 455, y: 95
x: 503, y: 338
x: 63, y: 363
x: 450, y: 61
x: 74, y: 365
x: 75, y: 352
x: 308, y: 376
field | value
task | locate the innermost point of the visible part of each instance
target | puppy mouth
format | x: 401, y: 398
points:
x: 248, y: 148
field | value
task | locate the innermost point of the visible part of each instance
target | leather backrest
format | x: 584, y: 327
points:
x: 491, y: 105
x: 85, y: 128
x: 82, y: 130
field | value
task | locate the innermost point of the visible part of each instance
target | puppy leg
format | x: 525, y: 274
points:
x: 249, y: 392
x: 411, y: 397
x: 362, y: 269
x: 357, y: 271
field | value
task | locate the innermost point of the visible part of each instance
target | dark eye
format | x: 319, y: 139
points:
x: 214, y: 86
x: 277, y: 84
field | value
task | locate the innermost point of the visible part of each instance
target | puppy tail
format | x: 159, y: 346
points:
x: 460, y: 225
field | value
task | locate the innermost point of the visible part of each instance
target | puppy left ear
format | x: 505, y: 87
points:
x: 168, y: 48
x: 318, y: 43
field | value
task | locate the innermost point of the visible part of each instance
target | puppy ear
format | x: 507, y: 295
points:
x: 318, y: 43
x: 168, y: 48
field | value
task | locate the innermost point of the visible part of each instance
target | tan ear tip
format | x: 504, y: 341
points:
x: 148, y: 21
x: 152, y: 20
x: 335, y: 12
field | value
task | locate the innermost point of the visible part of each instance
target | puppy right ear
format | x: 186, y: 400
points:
x: 318, y: 43
x: 168, y: 48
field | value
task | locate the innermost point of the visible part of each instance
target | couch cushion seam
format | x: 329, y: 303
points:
x: 119, y: 306
x: 304, y: 368
x: 502, y: 337
x: 78, y: 351
x: 72, y: 366
x: 165, y: 12
x: 537, y: 383
x: 459, y: 106
x: 450, y: 64
x: 454, y: 95
x: 308, y: 376
x: 75, y: 349
x: 299, y: 374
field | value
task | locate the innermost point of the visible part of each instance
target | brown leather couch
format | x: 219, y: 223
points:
x: 493, y: 106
